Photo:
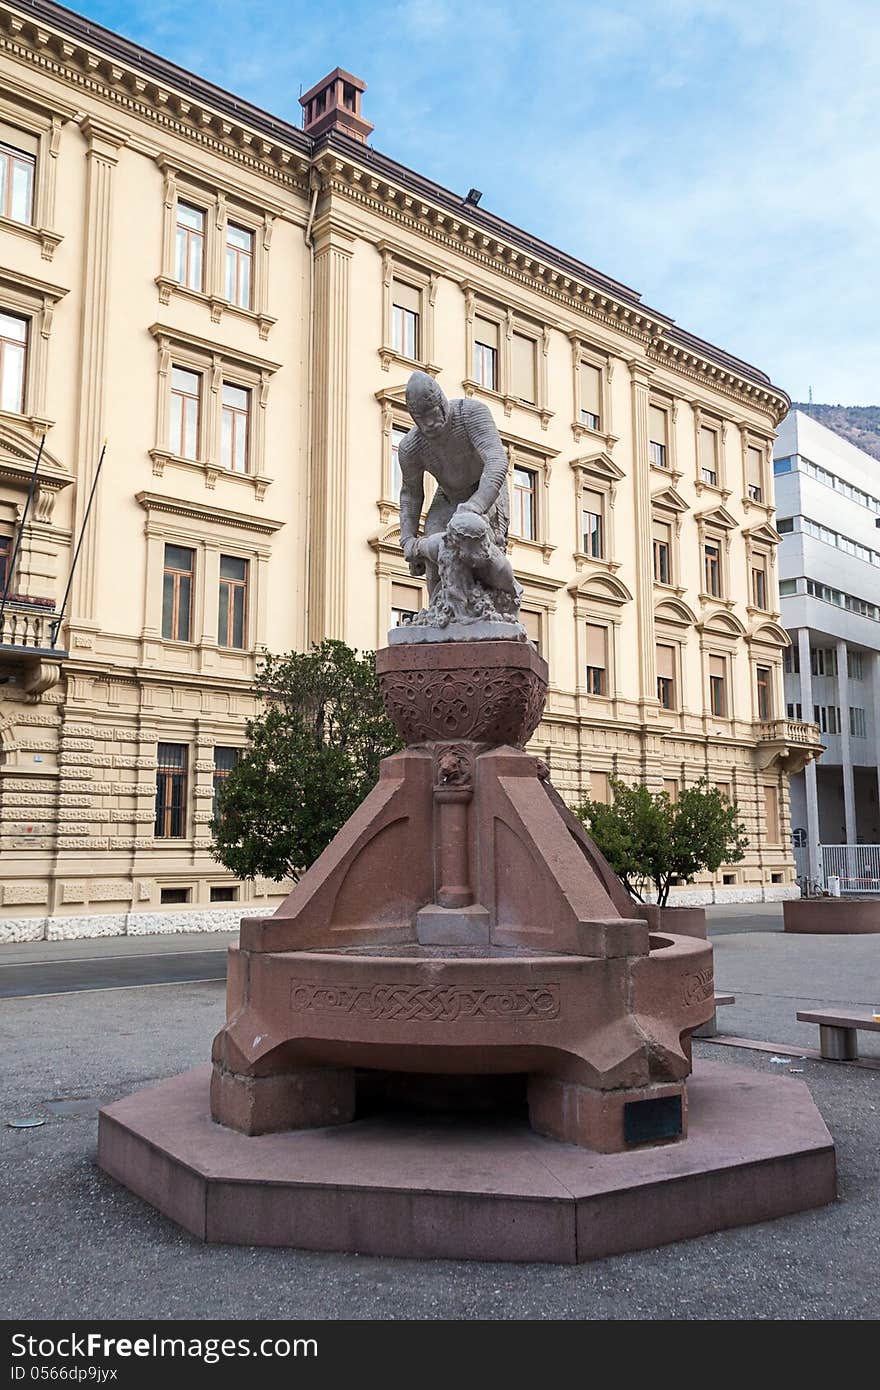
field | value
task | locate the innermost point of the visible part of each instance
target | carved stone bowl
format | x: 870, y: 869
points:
x: 490, y: 692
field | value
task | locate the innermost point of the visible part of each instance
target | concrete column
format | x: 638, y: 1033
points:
x: 102, y: 156
x: 641, y: 373
x: 328, y: 529
x: 849, y: 790
x: 875, y: 714
x: 812, y: 793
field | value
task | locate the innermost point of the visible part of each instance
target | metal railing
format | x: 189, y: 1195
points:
x: 856, y: 867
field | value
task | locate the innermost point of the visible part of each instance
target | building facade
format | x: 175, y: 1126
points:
x: 828, y: 499
x: 234, y: 304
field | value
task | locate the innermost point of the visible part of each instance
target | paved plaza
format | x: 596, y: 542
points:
x: 78, y: 1245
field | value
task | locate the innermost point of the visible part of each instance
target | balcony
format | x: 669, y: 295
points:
x: 26, y: 653
x: 788, y: 743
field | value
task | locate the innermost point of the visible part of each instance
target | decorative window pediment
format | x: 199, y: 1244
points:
x: 669, y: 501
x: 675, y: 612
x: 600, y: 465
x: 719, y: 517
x: 765, y: 534
x: 769, y: 635
x: 601, y: 588
x: 722, y: 624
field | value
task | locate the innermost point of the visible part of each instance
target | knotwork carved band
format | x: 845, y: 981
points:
x: 412, y: 1003
x: 494, y: 705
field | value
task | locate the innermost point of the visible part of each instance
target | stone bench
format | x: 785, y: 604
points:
x: 708, y: 1030
x: 838, y: 1031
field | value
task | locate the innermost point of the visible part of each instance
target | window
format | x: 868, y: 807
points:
x: 599, y: 789
x: 759, y: 582
x: 224, y: 893
x: 782, y: 465
x: 184, y: 419
x: 708, y: 455
x: 827, y: 717
x: 235, y: 428
x: 406, y: 602
x: 239, y: 265
x: 666, y: 676
x: 13, y: 361
x: 658, y: 436
x: 398, y: 432
x: 177, y: 593
x: 794, y: 711
x: 406, y: 304
x: 597, y: 660
x: 5, y: 563
x: 718, y: 686
x: 787, y: 587
x: 771, y: 814
x: 17, y: 170
x: 531, y: 621
x: 594, y: 525
x: 171, y: 792
x: 712, y: 568
x: 662, y: 533
x: 764, y: 690
x: 590, y: 379
x: 723, y: 788
x: 189, y: 244
x: 524, y: 368
x: 784, y: 525
x: 670, y: 787
x: 524, y: 516
x: 232, y: 605
x: 225, y: 760
x: 754, y: 474
x: 486, y: 353
x: 857, y: 726
x: 167, y: 896
x: 823, y: 661
x: 855, y: 665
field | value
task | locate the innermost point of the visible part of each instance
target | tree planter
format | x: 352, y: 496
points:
x: 678, y: 921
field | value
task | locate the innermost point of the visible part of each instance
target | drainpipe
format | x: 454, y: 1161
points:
x: 315, y: 185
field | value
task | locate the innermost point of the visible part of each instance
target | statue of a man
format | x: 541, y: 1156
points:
x: 458, y: 444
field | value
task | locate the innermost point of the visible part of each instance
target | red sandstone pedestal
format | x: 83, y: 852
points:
x: 462, y: 948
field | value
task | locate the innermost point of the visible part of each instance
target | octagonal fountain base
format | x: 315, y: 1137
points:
x: 464, y: 1187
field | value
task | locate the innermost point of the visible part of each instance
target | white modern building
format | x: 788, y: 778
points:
x: 828, y: 507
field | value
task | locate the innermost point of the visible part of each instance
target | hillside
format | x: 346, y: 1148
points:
x: 860, y: 424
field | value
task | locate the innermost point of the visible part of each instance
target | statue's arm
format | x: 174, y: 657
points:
x: 484, y: 436
x: 412, y: 490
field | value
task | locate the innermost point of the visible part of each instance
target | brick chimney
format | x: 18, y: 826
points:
x: 334, y: 103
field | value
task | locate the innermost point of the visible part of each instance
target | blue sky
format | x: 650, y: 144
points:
x: 720, y: 156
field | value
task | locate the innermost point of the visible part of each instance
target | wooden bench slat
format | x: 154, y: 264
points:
x: 835, y: 1018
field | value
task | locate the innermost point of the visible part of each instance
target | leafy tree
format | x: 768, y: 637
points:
x: 648, y: 839
x: 313, y: 754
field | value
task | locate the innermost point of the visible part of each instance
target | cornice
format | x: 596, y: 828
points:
x: 198, y: 511
x: 182, y: 338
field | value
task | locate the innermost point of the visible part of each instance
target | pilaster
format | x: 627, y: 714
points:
x: 640, y: 374
x: 328, y: 530
x: 104, y: 143
x: 846, y: 764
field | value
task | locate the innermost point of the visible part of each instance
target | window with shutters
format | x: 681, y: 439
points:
x: 524, y: 368
x: 600, y: 789
x: 718, y: 686
x: 764, y: 692
x: 755, y: 488
x: 531, y: 621
x: 486, y: 347
x: 590, y: 403
x: 658, y: 436
x: 759, y: 582
x: 709, y: 453
x: 406, y: 313
x: 594, y: 524
x: 597, y: 659
x: 662, y: 544
x: 171, y: 791
x: 406, y: 602
x: 712, y: 568
x: 666, y: 676
x: 670, y: 787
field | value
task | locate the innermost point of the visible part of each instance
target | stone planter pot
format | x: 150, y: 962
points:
x: 832, y: 916
x: 678, y: 921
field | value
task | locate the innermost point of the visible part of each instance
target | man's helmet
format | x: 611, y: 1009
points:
x: 424, y: 394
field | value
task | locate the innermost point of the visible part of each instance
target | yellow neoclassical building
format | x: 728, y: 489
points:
x: 234, y: 304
